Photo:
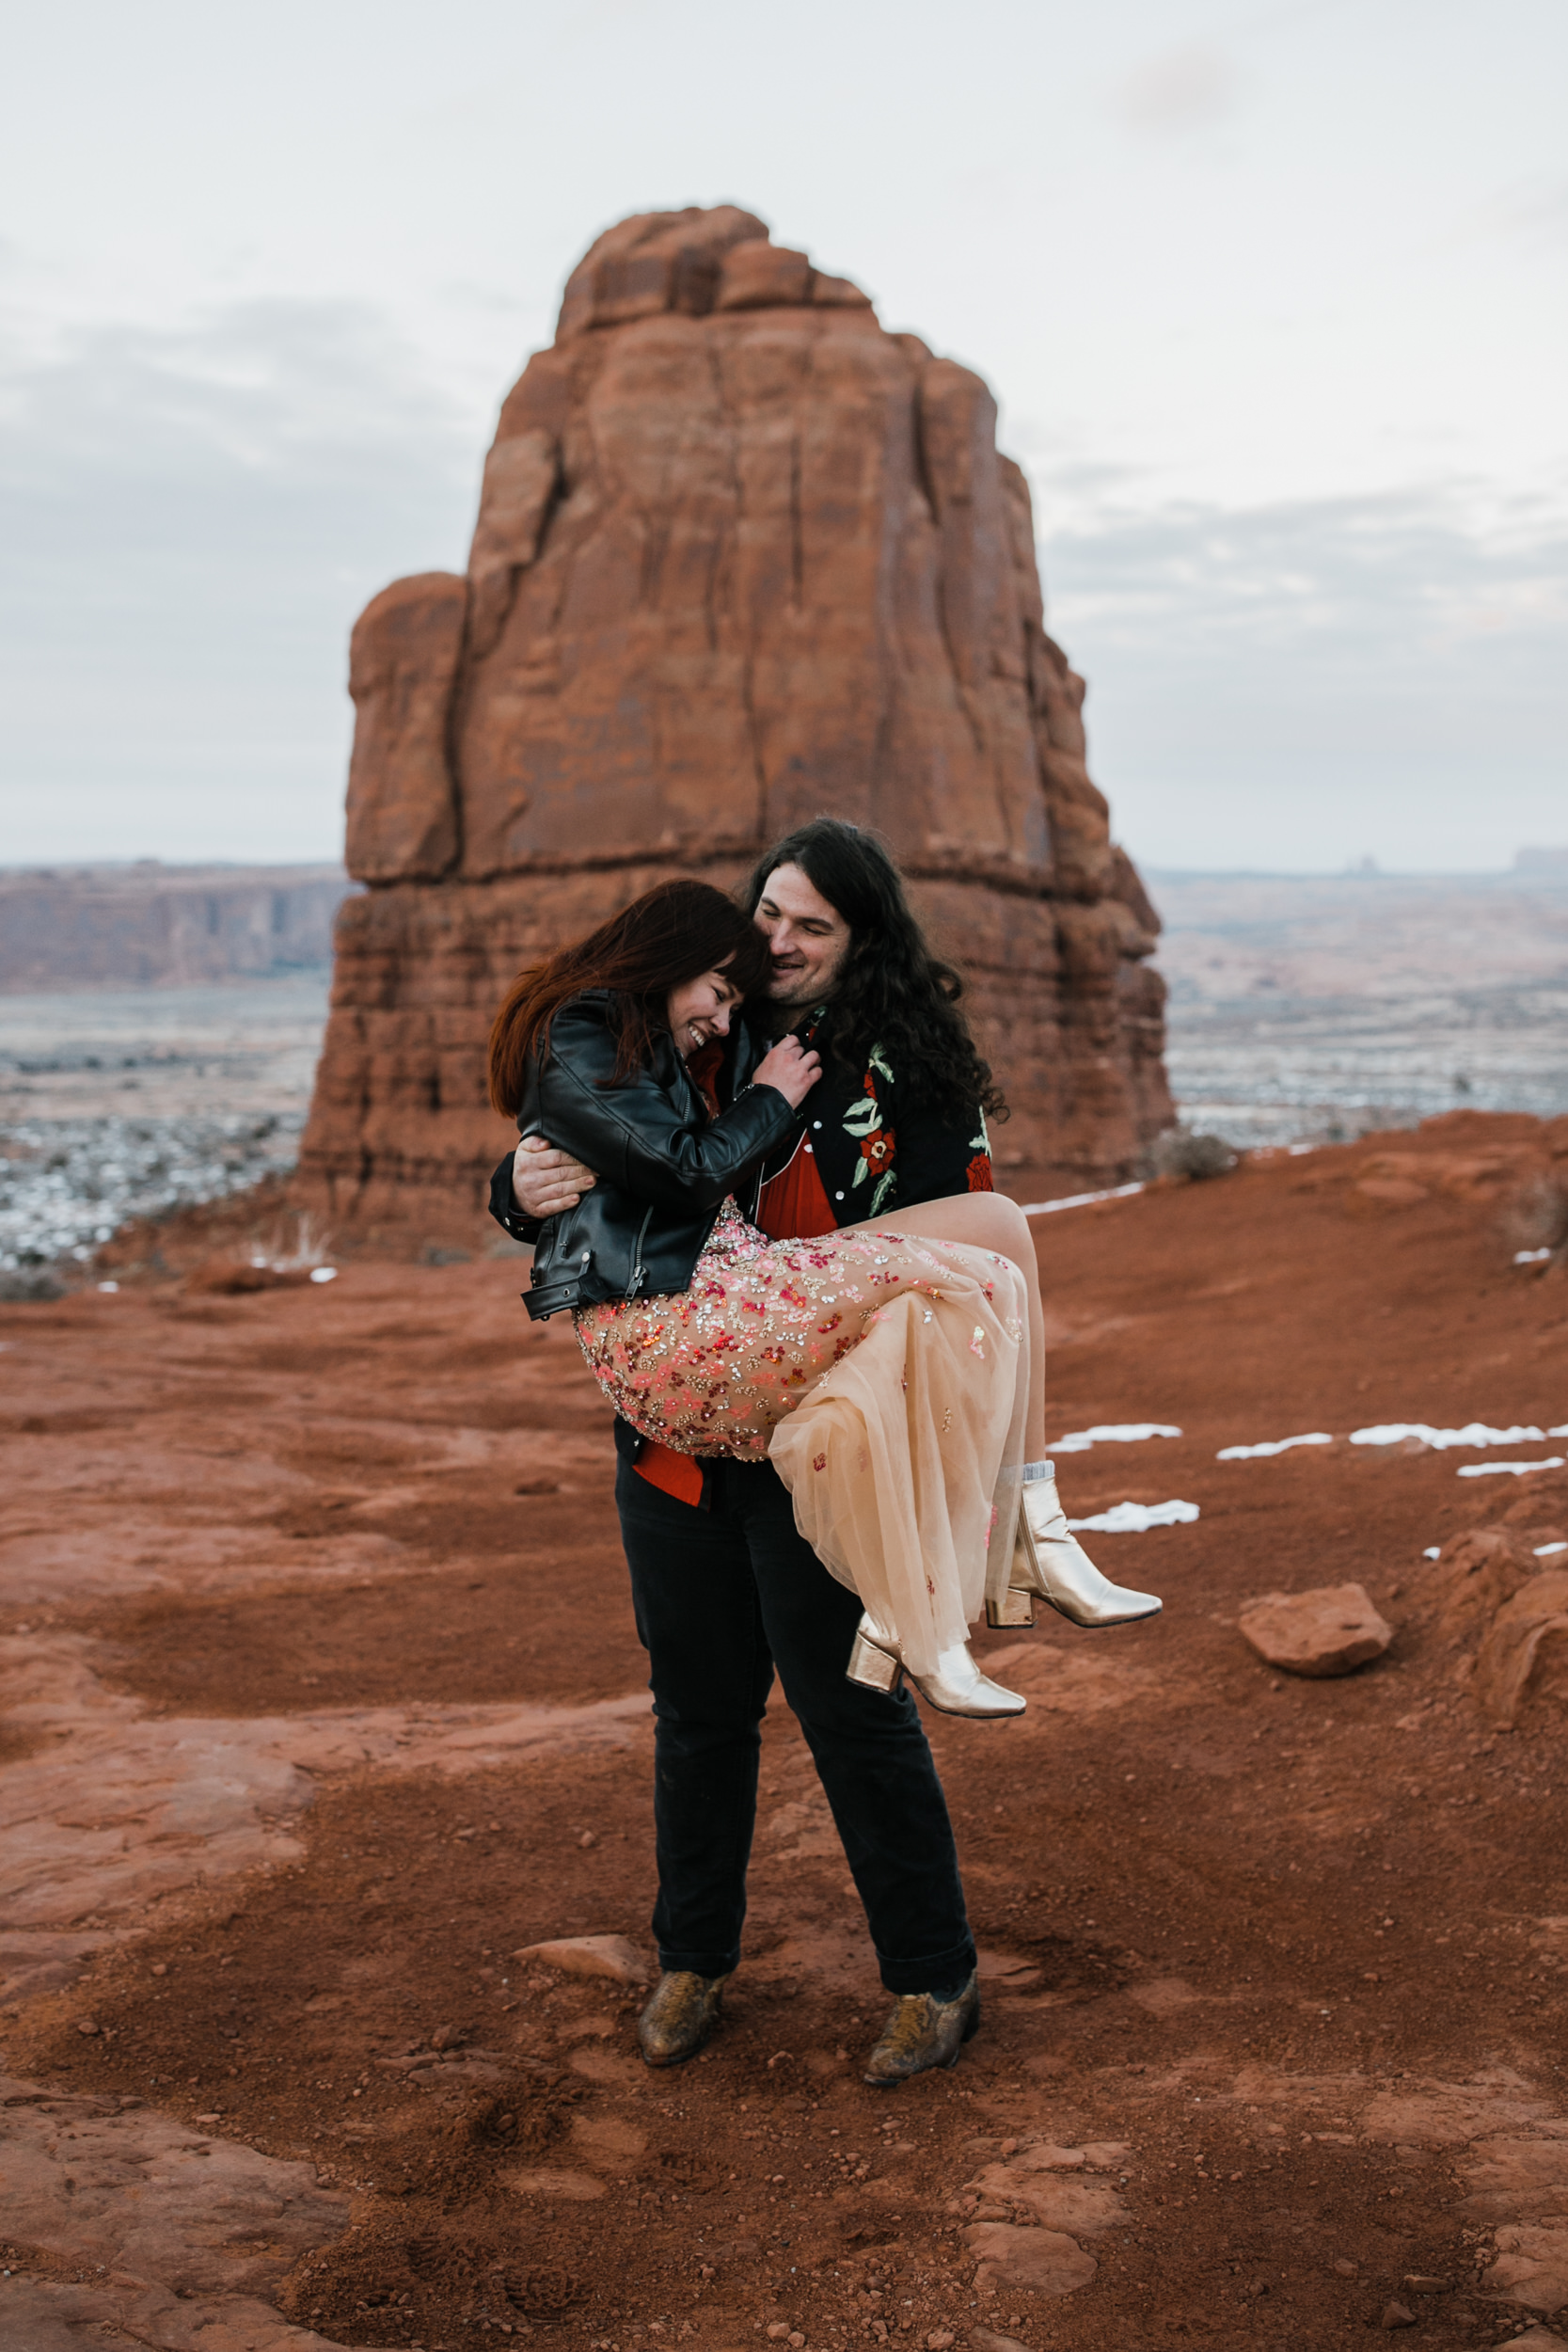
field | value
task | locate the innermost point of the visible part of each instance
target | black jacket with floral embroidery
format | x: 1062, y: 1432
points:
x: 880, y: 1145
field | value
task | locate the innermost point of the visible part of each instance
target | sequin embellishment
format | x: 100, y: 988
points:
x: 713, y: 1369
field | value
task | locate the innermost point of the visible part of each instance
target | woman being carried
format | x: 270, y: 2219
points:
x: 893, y: 1372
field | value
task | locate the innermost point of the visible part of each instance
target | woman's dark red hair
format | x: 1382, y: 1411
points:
x: 672, y: 934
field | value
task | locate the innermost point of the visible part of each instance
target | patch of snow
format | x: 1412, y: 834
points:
x: 1529, y: 1257
x: 1473, y: 1433
x: 323, y: 1274
x: 1080, y: 1199
x: 1132, y: 1519
x: 1276, y: 1445
x: 1113, y: 1433
x: 1510, y: 1470
x: 1544, y: 1551
x: 1432, y: 1551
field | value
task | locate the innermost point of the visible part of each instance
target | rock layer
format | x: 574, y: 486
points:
x: 742, y: 557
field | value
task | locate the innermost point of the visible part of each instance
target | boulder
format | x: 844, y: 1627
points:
x: 1329, y: 1631
x: 613, y: 1955
x: 1478, y: 1571
x: 742, y: 557
x: 1524, y: 1658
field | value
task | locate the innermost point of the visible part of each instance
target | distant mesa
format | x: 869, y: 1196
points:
x: 153, y: 926
x: 742, y: 557
x: 1546, y: 862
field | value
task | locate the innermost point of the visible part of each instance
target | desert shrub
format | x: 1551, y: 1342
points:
x: 23, y: 1284
x: 1185, y: 1158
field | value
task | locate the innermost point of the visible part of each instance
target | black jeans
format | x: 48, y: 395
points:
x: 723, y: 1596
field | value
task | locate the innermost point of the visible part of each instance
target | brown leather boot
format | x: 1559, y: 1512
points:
x: 680, y: 2014
x: 923, y: 2032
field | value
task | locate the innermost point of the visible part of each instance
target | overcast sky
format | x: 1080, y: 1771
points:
x: 1272, y: 297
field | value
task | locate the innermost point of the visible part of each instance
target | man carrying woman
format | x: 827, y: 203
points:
x: 789, y: 1271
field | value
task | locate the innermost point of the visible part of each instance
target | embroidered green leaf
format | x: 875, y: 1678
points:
x: 863, y: 1117
x: 863, y: 1169
x: 877, y: 1063
x: 885, y: 1186
x: 982, y: 1141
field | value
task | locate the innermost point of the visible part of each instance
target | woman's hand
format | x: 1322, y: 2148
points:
x: 791, y: 1069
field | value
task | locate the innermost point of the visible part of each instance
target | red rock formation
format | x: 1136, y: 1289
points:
x: 742, y: 557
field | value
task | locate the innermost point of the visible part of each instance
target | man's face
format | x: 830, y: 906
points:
x: 809, y: 938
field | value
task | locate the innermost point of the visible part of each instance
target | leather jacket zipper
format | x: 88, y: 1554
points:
x: 637, y: 1268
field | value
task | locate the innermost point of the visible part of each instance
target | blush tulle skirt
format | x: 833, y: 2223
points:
x: 884, y: 1377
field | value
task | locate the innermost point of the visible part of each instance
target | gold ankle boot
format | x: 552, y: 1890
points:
x: 679, y: 2016
x: 954, y: 1686
x: 923, y: 2032
x: 1050, y: 1564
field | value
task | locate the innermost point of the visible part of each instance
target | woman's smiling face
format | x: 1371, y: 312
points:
x: 700, y: 1010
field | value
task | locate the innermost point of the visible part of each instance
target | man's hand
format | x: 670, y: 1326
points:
x: 545, y: 1181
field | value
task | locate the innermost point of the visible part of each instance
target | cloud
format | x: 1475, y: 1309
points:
x: 191, y: 519
x: 1310, y: 680
x: 1187, y: 88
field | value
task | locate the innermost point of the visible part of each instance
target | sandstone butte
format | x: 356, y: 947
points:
x: 742, y: 557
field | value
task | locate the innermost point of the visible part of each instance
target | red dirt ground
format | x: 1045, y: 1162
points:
x: 1273, y: 1972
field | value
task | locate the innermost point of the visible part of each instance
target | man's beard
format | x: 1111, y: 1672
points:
x: 791, y: 995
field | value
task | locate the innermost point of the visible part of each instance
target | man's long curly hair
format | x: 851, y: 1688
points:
x: 892, y: 992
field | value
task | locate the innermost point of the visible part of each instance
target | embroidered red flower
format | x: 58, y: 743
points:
x: 877, y: 1150
x: 980, y: 1178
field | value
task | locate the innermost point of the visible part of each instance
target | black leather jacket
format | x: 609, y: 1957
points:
x: 664, y: 1166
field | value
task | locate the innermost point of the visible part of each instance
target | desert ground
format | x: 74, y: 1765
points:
x: 324, y: 1703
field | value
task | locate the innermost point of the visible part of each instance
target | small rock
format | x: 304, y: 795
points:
x: 939, y: 2340
x: 612, y: 1955
x: 447, y: 2036
x: 1420, y: 2283
x: 1396, y: 2315
x: 778, y: 2329
x: 588, y: 1838
x: 987, y: 2340
x: 216, y: 2116
x: 796, y: 2341
x: 87, y: 2024
x: 1329, y: 1631
x: 1346, y: 2269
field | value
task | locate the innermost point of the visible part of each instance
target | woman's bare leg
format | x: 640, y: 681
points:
x: 987, y: 1220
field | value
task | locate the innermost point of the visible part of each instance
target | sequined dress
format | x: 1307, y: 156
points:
x: 883, y: 1375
